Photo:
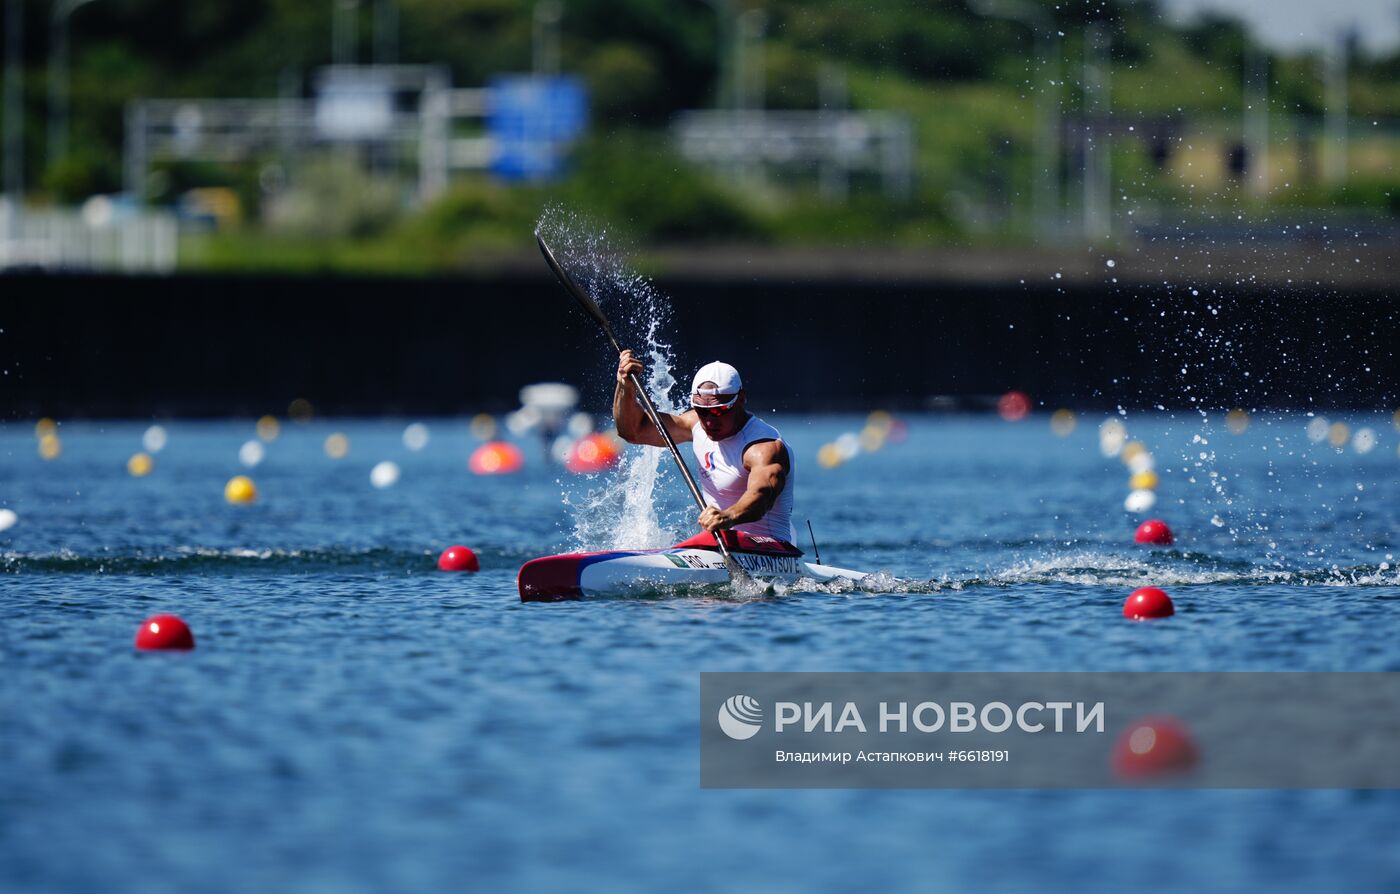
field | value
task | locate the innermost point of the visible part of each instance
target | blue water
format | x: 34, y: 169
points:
x: 354, y: 720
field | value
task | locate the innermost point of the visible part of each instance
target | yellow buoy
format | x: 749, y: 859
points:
x: 337, y: 445
x: 1130, y: 451
x: 483, y: 427
x: 140, y: 465
x: 47, y: 426
x: 1237, y: 421
x: 240, y: 489
x: 881, y: 421
x: 268, y: 428
x: 1062, y: 422
x: 1338, y: 434
x: 872, y: 438
x: 829, y: 456
x: 50, y: 446
x: 1143, y: 481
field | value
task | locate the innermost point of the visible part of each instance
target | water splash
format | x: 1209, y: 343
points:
x: 618, y: 510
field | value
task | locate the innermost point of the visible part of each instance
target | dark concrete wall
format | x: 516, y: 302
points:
x: 212, y: 346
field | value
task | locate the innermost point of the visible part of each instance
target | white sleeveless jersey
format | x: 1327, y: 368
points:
x: 724, y: 479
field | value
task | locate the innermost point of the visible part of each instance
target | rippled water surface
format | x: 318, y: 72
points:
x: 352, y: 719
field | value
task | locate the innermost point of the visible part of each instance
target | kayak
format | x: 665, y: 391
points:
x: 696, y: 562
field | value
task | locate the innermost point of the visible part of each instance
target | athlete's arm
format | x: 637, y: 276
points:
x: 768, y: 465
x: 633, y: 426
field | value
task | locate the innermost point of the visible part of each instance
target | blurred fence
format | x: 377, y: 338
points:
x: 96, y: 239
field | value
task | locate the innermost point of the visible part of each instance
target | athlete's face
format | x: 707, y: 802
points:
x: 721, y: 415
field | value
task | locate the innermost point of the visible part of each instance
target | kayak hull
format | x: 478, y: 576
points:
x: 644, y: 572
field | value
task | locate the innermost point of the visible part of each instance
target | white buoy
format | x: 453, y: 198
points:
x: 415, y: 437
x: 1142, y: 462
x: 1140, y: 501
x: 385, y: 474
x: 1112, y: 434
x: 521, y: 421
x: 1317, y: 429
x: 1364, y: 441
x: 8, y: 518
x: 154, y: 439
x: 848, y: 445
x: 251, y: 453
x: 559, y: 450
x: 580, y: 424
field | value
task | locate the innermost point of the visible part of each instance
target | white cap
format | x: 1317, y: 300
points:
x: 725, y: 377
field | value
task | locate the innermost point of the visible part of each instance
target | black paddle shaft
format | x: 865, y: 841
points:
x: 593, y: 310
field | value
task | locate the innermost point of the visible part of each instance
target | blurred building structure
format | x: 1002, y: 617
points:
x: 404, y: 119
x: 832, y: 145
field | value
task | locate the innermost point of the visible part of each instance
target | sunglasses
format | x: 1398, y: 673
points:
x: 715, y: 410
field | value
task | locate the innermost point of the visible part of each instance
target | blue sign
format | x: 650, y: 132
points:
x: 533, y: 121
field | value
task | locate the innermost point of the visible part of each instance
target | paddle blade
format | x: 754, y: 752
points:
x: 567, y: 281
x: 743, y: 583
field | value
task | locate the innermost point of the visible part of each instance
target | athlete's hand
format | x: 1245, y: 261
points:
x: 627, y: 365
x: 713, y: 519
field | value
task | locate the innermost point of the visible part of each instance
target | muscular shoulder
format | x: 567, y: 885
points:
x: 766, y: 453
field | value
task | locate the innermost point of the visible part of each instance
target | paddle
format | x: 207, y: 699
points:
x: 736, y: 573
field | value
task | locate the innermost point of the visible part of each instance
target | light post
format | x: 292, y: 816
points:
x: 1098, y: 177
x: 386, y: 32
x: 58, y: 76
x: 548, y: 14
x: 727, y: 94
x: 344, y: 22
x: 1256, y: 119
x: 748, y: 49
x: 1045, y: 197
x: 14, y: 113
x: 1334, y: 73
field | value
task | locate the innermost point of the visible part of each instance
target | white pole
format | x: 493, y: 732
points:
x: 14, y: 110
x: 58, y: 76
x: 1045, y: 195
x: 1334, y: 167
x: 386, y: 32
x: 1256, y: 120
x: 344, y: 14
x: 724, y: 13
x: 1098, y: 180
x: 548, y: 14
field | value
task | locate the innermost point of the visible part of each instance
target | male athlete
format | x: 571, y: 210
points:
x: 745, y: 468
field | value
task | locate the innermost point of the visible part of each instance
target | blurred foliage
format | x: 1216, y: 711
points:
x: 1376, y: 194
x: 624, y: 83
x: 635, y: 180
x: 335, y: 198
x: 971, y: 85
x: 1218, y: 41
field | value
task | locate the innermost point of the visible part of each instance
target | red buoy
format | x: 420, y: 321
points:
x: 1151, y: 746
x: 164, y: 632
x: 496, y: 458
x: 1148, y: 602
x: 458, y: 558
x: 1154, y: 531
x: 1013, y: 406
x: 592, y: 454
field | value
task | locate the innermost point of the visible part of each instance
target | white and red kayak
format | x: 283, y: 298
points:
x: 695, y: 562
